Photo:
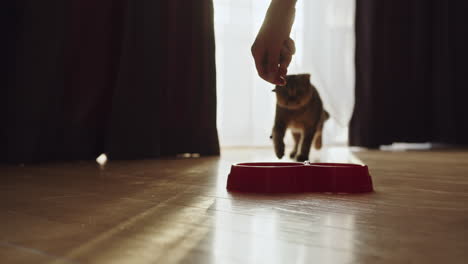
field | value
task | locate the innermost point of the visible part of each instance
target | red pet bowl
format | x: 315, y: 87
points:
x: 288, y: 177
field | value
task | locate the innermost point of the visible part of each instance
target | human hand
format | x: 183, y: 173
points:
x: 272, y: 65
x: 273, y: 48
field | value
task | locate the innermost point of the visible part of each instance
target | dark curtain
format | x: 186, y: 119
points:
x: 133, y: 79
x: 411, y: 72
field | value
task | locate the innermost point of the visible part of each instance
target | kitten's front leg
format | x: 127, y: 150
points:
x: 278, y: 135
x: 306, y: 143
x: 297, y: 140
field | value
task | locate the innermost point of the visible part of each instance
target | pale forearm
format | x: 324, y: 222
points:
x: 281, y: 11
x: 285, y: 2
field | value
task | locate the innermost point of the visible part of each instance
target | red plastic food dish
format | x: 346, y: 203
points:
x: 289, y: 177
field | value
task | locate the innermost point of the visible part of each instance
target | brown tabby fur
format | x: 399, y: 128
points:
x: 300, y: 109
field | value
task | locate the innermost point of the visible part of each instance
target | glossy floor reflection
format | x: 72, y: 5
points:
x: 178, y: 211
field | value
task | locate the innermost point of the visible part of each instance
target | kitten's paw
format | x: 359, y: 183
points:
x: 279, y: 150
x: 302, y: 157
x: 279, y: 155
x: 318, y: 143
x: 292, y: 155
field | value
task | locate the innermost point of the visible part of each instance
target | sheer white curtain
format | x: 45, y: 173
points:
x: 324, y: 35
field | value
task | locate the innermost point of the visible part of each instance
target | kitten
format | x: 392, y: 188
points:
x: 299, y: 108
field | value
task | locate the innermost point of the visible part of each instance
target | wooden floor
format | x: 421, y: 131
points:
x: 178, y: 211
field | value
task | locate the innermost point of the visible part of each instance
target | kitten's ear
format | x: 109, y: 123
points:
x: 274, y: 90
x: 306, y: 79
